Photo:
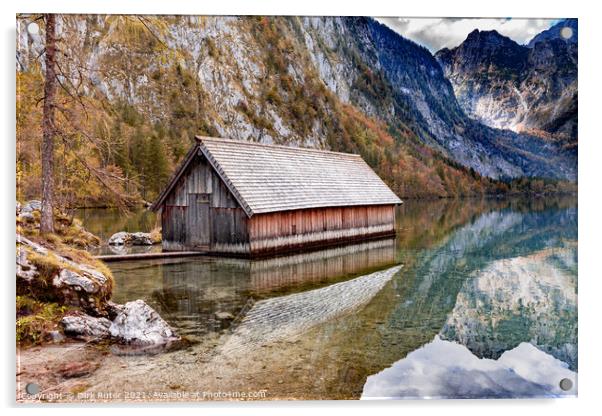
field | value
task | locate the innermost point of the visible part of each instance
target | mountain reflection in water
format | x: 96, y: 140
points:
x: 495, y: 281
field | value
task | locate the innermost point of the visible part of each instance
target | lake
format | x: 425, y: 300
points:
x: 474, y: 298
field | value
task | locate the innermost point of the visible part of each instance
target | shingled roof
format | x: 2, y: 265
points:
x: 268, y: 178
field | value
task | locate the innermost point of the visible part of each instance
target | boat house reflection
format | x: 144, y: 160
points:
x: 209, y: 292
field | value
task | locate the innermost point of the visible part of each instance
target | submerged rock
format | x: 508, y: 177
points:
x: 56, y: 336
x: 224, y: 316
x: 75, y: 369
x: 85, y: 326
x: 139, y: 324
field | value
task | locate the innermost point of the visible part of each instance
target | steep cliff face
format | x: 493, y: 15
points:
x: 528, y: 89
x: 348, y: 84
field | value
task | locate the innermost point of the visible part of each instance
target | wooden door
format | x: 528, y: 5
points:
x: 198, y: 221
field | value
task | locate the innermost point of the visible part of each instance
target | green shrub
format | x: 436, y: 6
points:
x: 35, y: 320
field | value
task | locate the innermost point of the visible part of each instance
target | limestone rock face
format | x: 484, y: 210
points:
x: 86, y: 326
x: 139, y: 324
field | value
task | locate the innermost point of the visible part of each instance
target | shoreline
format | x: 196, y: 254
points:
x: 528, y: 195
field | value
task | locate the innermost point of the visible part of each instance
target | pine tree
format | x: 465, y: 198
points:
x: 157, y: 165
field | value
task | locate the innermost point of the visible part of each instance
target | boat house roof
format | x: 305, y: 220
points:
x: 269, y: 178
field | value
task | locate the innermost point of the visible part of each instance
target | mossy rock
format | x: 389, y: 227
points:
x: 72, y: 279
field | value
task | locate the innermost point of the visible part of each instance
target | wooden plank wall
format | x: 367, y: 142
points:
x: 295, y: 229
x: 227, y: 221
x: 173, y: 230
x: 231, y: 231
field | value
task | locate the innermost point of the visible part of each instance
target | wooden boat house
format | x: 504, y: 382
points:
x: 248, y: 199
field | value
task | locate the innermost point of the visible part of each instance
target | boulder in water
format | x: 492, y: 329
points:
x: 135, y: 239
x: 119, y: 239
x: 141, y: 239
x: 139, y: 324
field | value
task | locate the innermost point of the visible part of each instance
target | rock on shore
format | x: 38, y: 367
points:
x: 85, y: 290
x: 48, y: 275
x: 139, y: 324
x: 85, y: 326
x: 136, y: 324
x: 135, y: 239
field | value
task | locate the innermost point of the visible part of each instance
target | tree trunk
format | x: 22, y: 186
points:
x: 48, y: 128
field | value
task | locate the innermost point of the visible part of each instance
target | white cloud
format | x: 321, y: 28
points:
x: 437, y: 33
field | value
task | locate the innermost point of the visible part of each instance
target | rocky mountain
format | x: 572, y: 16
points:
x: 341, y: 83
x: 528, y: 89
x: 397, y: 80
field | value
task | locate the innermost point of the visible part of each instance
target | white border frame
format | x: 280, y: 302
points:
x: 590, y: 37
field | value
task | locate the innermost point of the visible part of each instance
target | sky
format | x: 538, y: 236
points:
x: 437, y: 33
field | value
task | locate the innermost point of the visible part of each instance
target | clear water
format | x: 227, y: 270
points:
x: 104, y: 222
x: 483, y: 306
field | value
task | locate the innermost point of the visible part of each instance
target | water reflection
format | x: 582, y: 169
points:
x: 285, y: 317
x: 443, y: 369
x: 104, y: 222
x: 443, y: 275
x: 193, y: 293
x: 497, y: 279
x: 522, y: 299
